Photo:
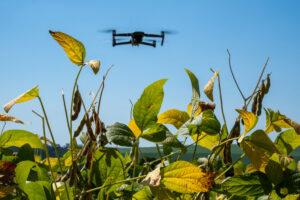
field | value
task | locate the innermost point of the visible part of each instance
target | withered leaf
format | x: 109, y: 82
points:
x: 6, y: 117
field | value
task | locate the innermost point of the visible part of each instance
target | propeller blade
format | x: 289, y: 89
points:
x: 106, y: 30
x: 169, y: 32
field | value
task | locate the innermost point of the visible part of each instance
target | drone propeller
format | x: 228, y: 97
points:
x: 169, y: 32
x: 106, y: 30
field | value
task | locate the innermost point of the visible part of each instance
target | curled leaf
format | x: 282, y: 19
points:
x: 250, y: 121
x: 73, y: 48
x: 153, y: 178
x: 6, y: 117
x: 209, y: 87
x: 196, y: 92
x: 26, y: 96
x: 94, y: 64
x: 275, y: 121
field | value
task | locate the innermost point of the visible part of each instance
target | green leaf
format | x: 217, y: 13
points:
x: 184, y: 177
x: 210, y: 124
x: 287, y: 141
x: 290, y: 185
x: 108, y: 168
x: 26, y: 96
x: 39, y: 190
x: 172, y: 141
x: 28, y: 170
x: 175, y: 117
x: 26, y: 153
x: 253, y: 184
x: 147, y: 107
x: 196, y: 92
x: 143, y: 194
x: 259, y: 148
x: 274, y: 170
x: 120, y: 134
x: 18, y: 138
x: 73, y: 48
x: 156, y: 133
x: 162, y: 193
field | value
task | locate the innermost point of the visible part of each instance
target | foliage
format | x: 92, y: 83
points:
x: 95, y: 168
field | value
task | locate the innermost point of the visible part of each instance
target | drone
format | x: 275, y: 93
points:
x: 137, y: 38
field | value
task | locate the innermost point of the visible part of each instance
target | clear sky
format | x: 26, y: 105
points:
x: 251, y: 30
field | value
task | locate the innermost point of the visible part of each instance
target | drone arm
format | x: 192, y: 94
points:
x: 149, y: 44
x: 122, y: 34
x: 122, y: 43
x: 152, y: 35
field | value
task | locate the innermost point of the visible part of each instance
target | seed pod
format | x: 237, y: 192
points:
x: 268, y: 84
x: 76, y: 104
x: 80, y: 127
x: 236, y: 129
x: 254, y: 104
x: 89, y: 128
x: 259, y: 104
x: 72, y: 176
x: 86, y: 148
x: 88, y: 160
x: 262, y: 89
x: 66, y: 176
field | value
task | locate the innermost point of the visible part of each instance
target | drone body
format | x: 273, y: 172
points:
x: 137, y: 38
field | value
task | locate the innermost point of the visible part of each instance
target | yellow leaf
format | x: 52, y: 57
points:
x: 174, y: 117
x: 134, y: 128
x: 275, y: 121
x: 37, y: 158
x: 197, y: 112
x: 205, y: 140
x: 184, y: 177
x: 68, y: 161
x: 53, y: 161
x: 250, y: 121
x: 28, y: 95
x: 6, y: 117
x: 209, y: 87
x: 250, y: 168
x: 259, y: 148
x: 73, y: 48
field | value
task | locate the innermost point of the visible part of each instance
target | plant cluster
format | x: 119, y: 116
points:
x: 93, y: 170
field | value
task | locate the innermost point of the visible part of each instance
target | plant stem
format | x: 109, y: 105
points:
x: 237, y: 85
x: 54, y: 143
x: 242, y: 156
x: 65, y: 107
x: 178, y: 157
x: 158, y: 150
x: 122, y: 181
x: 195, y: 149
x: 47, y: 153
x: 71, y: 112
x: 221, y: 101
x: 3, y: 128
x: 261, y: 74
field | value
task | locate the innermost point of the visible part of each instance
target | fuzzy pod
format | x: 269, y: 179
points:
x: 88, y: 160
x: 236, y: 129
x: 65, y: 177
x: 76, y: 104
x: 89, y: 129
x: 259, y: 104
x: 268, y: 84
x: 254, y: 104
x: 72, y: 175
x: 262, y: 89
x: 86, y: 148
x: 80, y: 127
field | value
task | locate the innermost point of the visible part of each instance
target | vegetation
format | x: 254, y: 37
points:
x: 92, y: 170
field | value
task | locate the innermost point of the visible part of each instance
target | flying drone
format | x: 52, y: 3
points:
x: 137, y: 38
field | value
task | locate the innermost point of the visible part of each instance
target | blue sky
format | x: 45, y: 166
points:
x: 251, y: 30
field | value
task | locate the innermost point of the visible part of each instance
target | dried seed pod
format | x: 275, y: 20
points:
x: 236, y: 129
x: 268, y: 84
x: 207, y: 106
x: 89, y: 128
x: 76, y: 104
x: 80, y: 127
x: 88, y: 160
x: 73, y: 173
x: 259, y: 104
x: 254, y: 104
x: 86, y: 148
x: 262, y: 89
x: 66, y: 176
